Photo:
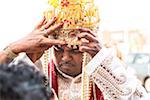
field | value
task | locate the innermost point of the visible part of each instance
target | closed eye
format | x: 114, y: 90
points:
x: 57, y: 48
x: 75, y: 51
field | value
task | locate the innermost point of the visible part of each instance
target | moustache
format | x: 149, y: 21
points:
x: 66, y: 63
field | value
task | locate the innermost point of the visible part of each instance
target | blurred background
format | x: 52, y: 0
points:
x: 125, y: 26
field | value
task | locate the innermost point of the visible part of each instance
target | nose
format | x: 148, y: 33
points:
x: 66, y: 56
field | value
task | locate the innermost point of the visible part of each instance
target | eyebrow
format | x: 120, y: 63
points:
x: 57, y: 47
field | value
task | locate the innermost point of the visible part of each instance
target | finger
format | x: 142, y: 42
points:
x: 93, y: 45
x: 51, y: 42
x: 83, y: 40
x: 44, y: 23
x: 48, y: 24
x: 85, y: 49
x: 87, y: 36
x: 45, y: 48
x: 41, y: 23
x: 86, y: 30
x: 89, y: 50
x: 55, y: 27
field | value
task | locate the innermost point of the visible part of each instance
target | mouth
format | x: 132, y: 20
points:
x: 66, y: 64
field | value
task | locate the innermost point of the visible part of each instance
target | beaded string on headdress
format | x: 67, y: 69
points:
x: 86, y: 80
x: 75, y: 13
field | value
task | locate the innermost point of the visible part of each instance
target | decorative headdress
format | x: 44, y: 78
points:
x: 75, y: 13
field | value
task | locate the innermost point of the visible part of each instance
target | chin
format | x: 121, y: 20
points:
x: 65, y: 69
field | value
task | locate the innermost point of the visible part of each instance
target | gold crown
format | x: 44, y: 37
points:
x: 75, y: 13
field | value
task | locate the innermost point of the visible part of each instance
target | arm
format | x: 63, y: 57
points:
x: 4, y: 58
x: 34, y: 44
x: 107, y: 71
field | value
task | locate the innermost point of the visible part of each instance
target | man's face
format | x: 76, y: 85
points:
x: 68, y: 60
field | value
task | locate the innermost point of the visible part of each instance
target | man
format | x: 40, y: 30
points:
x: 83, y: 68
x: 108, y: 79
x: 105, y: 70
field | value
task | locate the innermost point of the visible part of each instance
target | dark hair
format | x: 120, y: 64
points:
x: 22, y: 82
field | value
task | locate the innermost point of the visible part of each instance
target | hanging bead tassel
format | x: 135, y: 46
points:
x: 46, y: 60
x: 86, y: 81
x: 46, y: 69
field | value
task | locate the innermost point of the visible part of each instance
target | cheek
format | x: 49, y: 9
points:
x: 78, y: 59
x: 57, y: 57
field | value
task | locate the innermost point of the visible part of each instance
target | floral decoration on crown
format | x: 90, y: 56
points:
x: 75, y: 13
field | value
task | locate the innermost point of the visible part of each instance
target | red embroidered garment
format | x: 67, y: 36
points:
x: 99, y: 94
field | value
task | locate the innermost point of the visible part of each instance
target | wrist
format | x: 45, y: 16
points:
x: 9, y: 53
x: 15, y: 48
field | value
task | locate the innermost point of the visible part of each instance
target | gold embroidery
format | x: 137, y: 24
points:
x: 108, y: 82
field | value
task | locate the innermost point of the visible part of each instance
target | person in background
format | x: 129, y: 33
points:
x: 22, y: 82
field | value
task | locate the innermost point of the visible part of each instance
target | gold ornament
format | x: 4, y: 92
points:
x: 86, y: 80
